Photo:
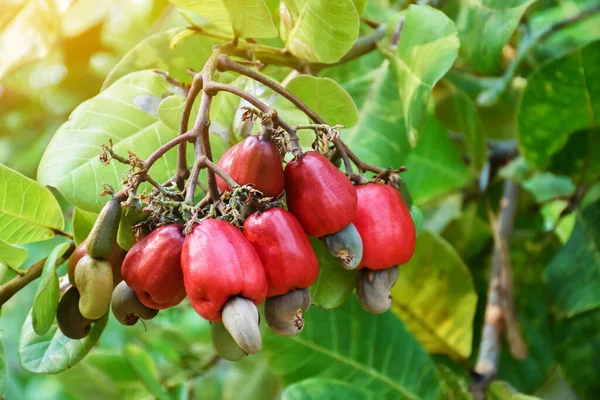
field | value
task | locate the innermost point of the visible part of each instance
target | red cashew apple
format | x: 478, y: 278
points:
x: 152, y: 268
x: 385, y: 227
x: 256, y: 161
x: 319, y: 195
x: 219, y: 263
x: 284, y: 249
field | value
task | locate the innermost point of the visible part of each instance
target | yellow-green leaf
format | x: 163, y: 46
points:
x: 436, y: 299
x: 28, y: 211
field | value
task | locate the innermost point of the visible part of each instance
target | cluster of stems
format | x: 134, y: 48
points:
x: 204, y: 85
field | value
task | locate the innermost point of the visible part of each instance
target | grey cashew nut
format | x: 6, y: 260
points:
x: 224, y: 344
x: 284, y: 313
x: 373, y: 289
x: 345, y: 245
x: 127, y: 308
x: 241, y: 319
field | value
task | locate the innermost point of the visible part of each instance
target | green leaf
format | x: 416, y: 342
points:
x: 427, y: 49
x: 325, y: 97
x: 83, y: 221
x: 53, y: 352
x: 145, y: 369
x: 156, y: 52
x: 38, y: 21
x: 125, y: 113
x: 245, y: 18
x: 369, y: 352
x: 250, y: 379
x: 573, y: 276
x: 471, y: 126
x: 573, y: 279
x: 434, y: 166
x: 334, y: 284
x: 3, y: 366
x: 576, y: 345
x: 560, y: 98
x: 454, y: 385
x: 468, y: 234
x: 12, y: 256
x: 316, y: 388
x: 546, y: 186
x: 502, y: 391
x: 436, y: 299
x: 321, y: 31
x: 379, y: 137
x: 48, y: 292
x: 570, y: 37
x: 484, y: 27
x: 28, y: 211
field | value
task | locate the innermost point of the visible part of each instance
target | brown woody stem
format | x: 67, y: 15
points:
x: 497, y: 314
x: 182, y: 170
x: 10, y: 288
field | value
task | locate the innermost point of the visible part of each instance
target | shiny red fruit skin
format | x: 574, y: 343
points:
x: 218, y: 263
x: 319, y: 195
x: 152, y: 268
x: 115, y: 259
x: 284, y: 249
x: 385, y: 227
x: 256, y: 161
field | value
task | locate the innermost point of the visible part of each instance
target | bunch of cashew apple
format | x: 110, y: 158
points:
x: 246, y: 242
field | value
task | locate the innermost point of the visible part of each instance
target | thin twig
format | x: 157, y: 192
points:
x: 218, y: 87
x: 10, y: 288
x: 498, y: 312
x: 182, y: 171
x: 227, y: 64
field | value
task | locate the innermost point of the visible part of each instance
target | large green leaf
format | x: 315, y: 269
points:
x: 484, y: 27
x: 28, y: 211
x: 434, y: 166
x: 573, y: 279
x: 334, y: 284
x: 576, y: 344
x: 373, y: 353
x: 436, y: 299
x: 325, y: 97
x: 316, y: 389
x: 573, y: 276
x: 454, y: 386
x: 471, y: 126
x: 125, y: 113
x: 321, y: 30
x: 245, y: 18
x: 562, y: 97
x: 427, y: 49
x: 468, y: 234
x: 546, y: 186
x: 379, y: 137
x: 38, y: 21
x: 47, y: 294
x: 53, y: 352
x: 156, y: 52
x: 144, y: 367
x: 12, y: 256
